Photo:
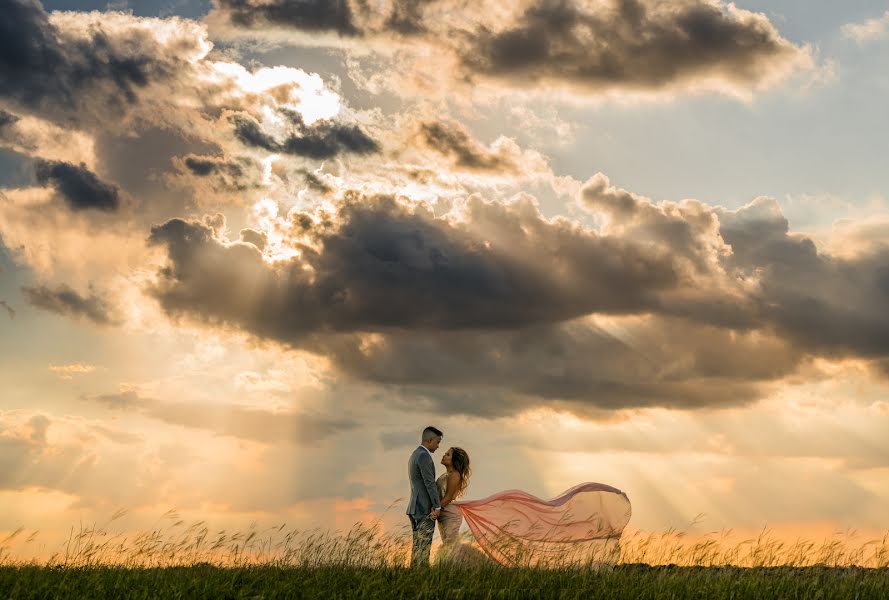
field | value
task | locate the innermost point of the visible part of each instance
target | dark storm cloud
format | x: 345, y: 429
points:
x: 324, y: 139
x: 314, y: 182
x: 667, y: 362
x: 382, y: 264
x: 7, y: 118
x: 474, y: 327
x: 310, y: 15
x: 8, y: 133
x: 248, y: 130
x: 202, y: 166
x: 66, y: 301
x: 452, y: 140
x: 406, y: 17
x: 243, y: 422
x: 347, y: 18
x: 826, y: 304
x: 328, y: 139
x: 635, y: 44
x: 45, y: 69
x: 238, y: 173
x: 483, y: 311
x: 79, y: 186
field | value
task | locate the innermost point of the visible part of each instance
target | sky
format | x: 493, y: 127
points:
x: 250, y: 248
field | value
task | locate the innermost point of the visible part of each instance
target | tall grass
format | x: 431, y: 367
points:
x: 843, y: 549
x: 370, y: 546
x: 193, y: 560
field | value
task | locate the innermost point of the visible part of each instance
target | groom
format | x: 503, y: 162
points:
x: 425, y: 505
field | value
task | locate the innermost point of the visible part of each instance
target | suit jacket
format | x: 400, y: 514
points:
x: 424, y: 492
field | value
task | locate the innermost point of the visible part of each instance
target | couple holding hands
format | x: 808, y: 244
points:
x: 434, y: 500
x: 582, y: 525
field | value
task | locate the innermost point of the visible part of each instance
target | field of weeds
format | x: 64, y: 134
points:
x: 191, y: 561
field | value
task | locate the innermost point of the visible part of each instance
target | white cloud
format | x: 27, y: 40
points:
x: 868, y: 31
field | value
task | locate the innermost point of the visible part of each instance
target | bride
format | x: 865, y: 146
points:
x: 581, y: 526
x: 451, y: 485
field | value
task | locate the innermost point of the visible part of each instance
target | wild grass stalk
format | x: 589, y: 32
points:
x: 175, y: 543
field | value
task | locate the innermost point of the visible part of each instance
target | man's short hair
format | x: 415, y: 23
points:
x: 431, y: 432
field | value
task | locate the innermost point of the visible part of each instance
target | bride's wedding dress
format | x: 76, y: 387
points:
x: 581, y: 526
x: 453, y: 550
x: 450, y: 518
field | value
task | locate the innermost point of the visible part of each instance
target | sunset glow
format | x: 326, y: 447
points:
x: 249, y: 250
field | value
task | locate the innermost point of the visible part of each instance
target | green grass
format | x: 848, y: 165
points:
x: 624, y: 581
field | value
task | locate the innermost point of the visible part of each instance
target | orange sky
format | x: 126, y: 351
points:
x: 247, y: 253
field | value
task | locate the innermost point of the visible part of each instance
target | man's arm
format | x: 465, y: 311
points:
x: 427, y: 470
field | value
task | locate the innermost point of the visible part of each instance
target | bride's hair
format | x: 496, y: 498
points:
x: 460, y: 462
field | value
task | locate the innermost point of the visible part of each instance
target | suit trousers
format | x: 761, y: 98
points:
x: 423, y: 529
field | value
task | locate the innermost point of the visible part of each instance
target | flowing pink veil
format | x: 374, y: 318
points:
x: 580, y: 526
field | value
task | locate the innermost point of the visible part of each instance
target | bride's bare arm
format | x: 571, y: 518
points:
x: 451, y: 489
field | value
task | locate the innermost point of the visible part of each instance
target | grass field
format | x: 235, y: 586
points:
x: 186, y: 561
x: 624, y: 581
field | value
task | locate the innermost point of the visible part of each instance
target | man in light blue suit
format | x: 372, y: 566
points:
x: 424, y: 505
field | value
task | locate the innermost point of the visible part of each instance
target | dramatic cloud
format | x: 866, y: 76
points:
x: 580, y: 365
x: 452, y: 140
x: 825, y: 303
x: 690, y: 229
x: 114, y: 77
x: 483, y: 298
x: 202, y: 166
x: 310, y: 15
x: 37, y: 137
x: 345, y: 18
x: 381, y: 263
x: 496, y: 296
x: 315, y: 182
x: 324, y: 139
x: 631, y: 44
x: 591, y: 47
x: 66, y: 301
x: 273, y: 267
x: 74, y: 67
x: 406, y: 17
x: 234, y: 174
x: 79, y: 186
x: 7, y: 118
